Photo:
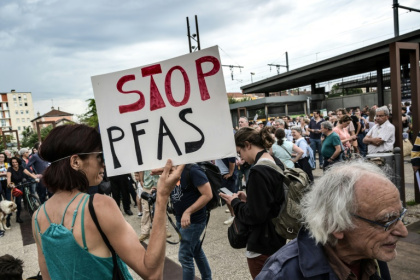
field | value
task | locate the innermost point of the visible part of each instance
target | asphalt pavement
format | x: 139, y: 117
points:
x: 225, y: 262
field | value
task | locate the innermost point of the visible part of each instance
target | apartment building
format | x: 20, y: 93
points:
x: 16, y: 111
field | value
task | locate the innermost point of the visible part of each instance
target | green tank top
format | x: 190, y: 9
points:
x: 65, y: 258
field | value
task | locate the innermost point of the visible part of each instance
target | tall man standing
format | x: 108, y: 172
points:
x: 381, y: 137
x: 38, y: 167
x: 189, y: 201
x: 314, y: 129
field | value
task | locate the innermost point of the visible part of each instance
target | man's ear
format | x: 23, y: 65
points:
x: 75, y: 162
x: 338, y: 235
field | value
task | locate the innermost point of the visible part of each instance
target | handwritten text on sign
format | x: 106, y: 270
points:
x: 174, y: 109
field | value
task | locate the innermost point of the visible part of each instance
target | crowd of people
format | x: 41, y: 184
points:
x: 350, y: 225
x: 360, y: 132
x: 17, y: 168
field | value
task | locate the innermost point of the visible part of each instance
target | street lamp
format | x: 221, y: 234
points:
x: 252, y: 74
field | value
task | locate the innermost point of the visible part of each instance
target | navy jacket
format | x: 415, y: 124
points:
x: 303, y: 259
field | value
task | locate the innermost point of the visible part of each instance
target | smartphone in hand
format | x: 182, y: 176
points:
x: 225, y: 191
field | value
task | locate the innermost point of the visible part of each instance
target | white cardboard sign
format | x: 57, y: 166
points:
x: 175, y: 109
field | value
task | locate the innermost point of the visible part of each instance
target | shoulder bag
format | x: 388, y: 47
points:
x: 116, y: 272
x: 238, y: 234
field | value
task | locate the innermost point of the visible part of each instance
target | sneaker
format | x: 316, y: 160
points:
x: 140, y: 214
x: 168, y: 234
x: 229, y: 221
x: 227, y: 211
x: 1, y: 233
x: 321, y: 167
x: 143, y: 237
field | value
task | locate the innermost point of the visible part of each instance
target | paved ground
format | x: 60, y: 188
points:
x: 226, y: 263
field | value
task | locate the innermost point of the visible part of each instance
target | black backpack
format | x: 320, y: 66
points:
x: 215, y: 179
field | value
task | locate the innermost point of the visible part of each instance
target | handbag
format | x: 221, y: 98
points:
x: 238, y: 234
x: 116, y: 272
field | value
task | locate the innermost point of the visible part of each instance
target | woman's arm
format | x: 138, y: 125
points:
x: 298, y: 151
x: 148, y: 264
x: 9, y: 178
x: 41, y: 259
x: 33, y: 176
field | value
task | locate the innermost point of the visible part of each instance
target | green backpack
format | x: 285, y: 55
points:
x: 295, y: 185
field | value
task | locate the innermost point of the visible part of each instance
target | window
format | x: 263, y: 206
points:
x: 17, y: 120
x: 18, y: 127
x: 23, y: 120
x: 17, y: 112
x: 14, y: 97
x: 15, y: 104
x: 26, y: 104
x: 28, y: 119
x: 21, y: 112
x: 3, y: 123
x: 27, y: 112
x: 20, y: 98
x: 24, y: 96
x: 20, y: 104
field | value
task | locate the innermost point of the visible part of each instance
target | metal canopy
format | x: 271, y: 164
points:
x: 370, y: 58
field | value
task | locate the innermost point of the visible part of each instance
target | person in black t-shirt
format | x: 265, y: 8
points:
x: 15, y: 175
x: 189, y: 201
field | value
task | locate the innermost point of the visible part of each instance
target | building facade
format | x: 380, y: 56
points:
x: 16, y: 111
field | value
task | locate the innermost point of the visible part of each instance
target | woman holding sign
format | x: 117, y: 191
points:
x: 263, y: 198
x: 71, y: 229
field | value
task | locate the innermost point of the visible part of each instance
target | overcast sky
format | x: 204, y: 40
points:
x: 52, y: 47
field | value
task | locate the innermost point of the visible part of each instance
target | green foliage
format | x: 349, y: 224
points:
x: 30, y: 137
x: 232, y: 100
x: 411, y: 203
x: 336, y: 90
x: 90, y: 118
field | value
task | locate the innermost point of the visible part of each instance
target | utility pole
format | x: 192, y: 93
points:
x: 278, y: 65
x: 395, y: 6
x: 231, y: 69
x: 193, y: 36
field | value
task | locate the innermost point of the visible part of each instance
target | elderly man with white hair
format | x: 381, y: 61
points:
x: 381, y: 137
x: 352, y: 223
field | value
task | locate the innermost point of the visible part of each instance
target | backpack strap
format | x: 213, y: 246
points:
x: 117, y: 274
x: 270, y: 164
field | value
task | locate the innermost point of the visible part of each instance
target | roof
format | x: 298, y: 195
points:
x: 363, y: 60
x: 53, y: 113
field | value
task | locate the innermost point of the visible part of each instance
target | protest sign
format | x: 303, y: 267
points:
x: 175, y: 109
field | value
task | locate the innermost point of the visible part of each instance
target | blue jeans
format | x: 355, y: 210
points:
x: 362, y: 146
x: 190, y: 250
x: 316, y: 145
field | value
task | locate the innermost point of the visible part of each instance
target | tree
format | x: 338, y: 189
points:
x: 30, y: 137
x: 90, y: 118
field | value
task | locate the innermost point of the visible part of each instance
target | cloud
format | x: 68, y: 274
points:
x: 52, y: 48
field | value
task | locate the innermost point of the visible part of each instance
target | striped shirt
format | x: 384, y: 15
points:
x: 415, y: 153
x: 386, y: 132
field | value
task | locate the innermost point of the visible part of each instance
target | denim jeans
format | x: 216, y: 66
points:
x: 362, y: 146
x: 190, y: 250
x: 316, y: 145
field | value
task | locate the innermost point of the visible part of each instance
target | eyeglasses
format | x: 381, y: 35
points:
x: 386, y: 225
x: 100, y: 156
